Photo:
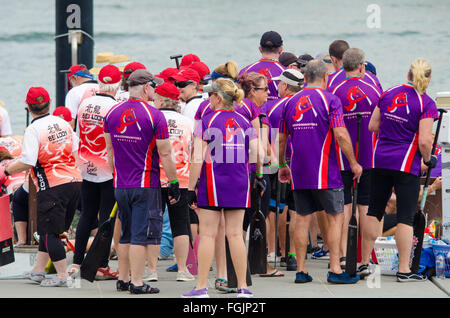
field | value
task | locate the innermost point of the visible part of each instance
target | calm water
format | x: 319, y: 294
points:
x: 151, y: 31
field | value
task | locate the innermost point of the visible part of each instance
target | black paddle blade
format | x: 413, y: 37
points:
x: 99, y: 250
x: 352, y: 242
x: 257, y: 250
x: 6, y: 252
x: 418, y: 232
x: 231, y: 274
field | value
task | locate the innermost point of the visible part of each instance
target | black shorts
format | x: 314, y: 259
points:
x: 406, y: 187
x: 178, y: 213
x: 363, y: 187
x: 286, y: 196
x: 20, y: 205
x: 56, y: 207
x: 308, y: 201
x: 193, y: 217
x: 390, y: 220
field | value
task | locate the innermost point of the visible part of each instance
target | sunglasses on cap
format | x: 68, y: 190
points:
x: 183, y: 84
x: 152, y: 84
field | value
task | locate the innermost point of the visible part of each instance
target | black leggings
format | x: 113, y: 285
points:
x: 97, y: 201
x: 52, y: 244
x: 178, y: 213
x: 20, y: 205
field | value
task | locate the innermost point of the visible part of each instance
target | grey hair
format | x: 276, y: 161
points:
x: 352, y: 59
x: 315, y: 70
x: 167, y: 102
x: 108, y: 88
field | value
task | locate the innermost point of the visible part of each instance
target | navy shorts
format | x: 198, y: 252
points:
x: 141, y: 215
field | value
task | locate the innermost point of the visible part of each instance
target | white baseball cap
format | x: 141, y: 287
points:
x: 291, y: 76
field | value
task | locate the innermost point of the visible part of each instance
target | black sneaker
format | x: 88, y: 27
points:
x: 363, y: 270
x: 144, y: 289
x: 283, y: 262
x: 410, y: 277
x: 122, y: 286
x: 291, y: 263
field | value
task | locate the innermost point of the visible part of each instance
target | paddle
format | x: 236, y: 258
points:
x: 419, y: 217
x: 176, y: 57
x: 100, y: 248
x: 231, y: 273
x: 352, y: 236
x: 257, y: 247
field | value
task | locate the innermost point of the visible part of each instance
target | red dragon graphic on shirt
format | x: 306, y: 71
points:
x: 399, y: 100
x: 231, y: 128
x: 303, y: 105
x: 127, y: 118
x: 354, y: 95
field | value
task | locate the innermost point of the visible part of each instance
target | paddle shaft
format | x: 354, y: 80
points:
x: 419, y: 218
x: 352, y: 236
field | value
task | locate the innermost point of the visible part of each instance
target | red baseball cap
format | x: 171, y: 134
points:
x: 63, y: 111
x: 188, y: 59
x: 167, y: 73
x: 75, y: 68
x: 4, y: 149
x: 131, y: 67
x: 201, y: 68
x: 109, y: 74
x: 187, y: 74
x: 37, y: 95
x: 167, y: 89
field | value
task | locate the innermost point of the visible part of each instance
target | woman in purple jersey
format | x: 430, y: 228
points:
x: 222, y: 144
x: 403, y: 121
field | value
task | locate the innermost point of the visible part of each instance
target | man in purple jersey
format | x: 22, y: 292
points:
x: 314, y: 120
x: 137, y: 138
x: 290, y: 82
x: 271, y: 46
x: 336, y: 50
x: 357, y: 97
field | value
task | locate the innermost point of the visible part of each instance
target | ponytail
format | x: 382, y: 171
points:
x: 420, y: 75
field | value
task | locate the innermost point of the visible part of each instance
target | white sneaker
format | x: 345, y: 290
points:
x: 184, y: 276
x: 150, y: 276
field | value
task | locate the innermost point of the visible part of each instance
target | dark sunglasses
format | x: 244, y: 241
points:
x: 152, y: 84
x: 183, y: 84
x: 211, y: 94
x: 266, y: 88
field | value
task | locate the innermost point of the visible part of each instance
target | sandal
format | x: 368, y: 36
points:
x: 106, y: 274
x: 276, y: 273
x: 113, y: 256
x: 221, y: 284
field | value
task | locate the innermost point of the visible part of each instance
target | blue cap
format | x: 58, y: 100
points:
x: 371, y: 68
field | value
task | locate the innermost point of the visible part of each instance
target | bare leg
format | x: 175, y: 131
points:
x: 233, y: 230
x: 61, y: 268
x: 42, y: 259
x: 123, y: 261
x: 333, y: 236
x: 152, y: 257
x: 323, y: 225
x: 370, y: 231
x: 209, y: 223
x: 344, y: 230
x: 301, y: 240
x: 314, y: 228
x: 404, y: 238
x: 292, y: 225
x: 181, y: 250
x: 282, y: 231
x: 270, y: 230
x: 21, y: 228
x: 137, y: 256
x: 220, y: 251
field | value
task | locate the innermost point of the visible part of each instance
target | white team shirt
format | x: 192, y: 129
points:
x: 5, y: 123
x: 79, y: 93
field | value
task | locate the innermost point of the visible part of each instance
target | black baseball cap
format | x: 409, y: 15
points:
x: 271, y: 39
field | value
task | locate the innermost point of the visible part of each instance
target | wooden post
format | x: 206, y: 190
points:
x: 32, y: 211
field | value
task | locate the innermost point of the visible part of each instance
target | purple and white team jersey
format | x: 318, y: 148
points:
x: 224, y: 179
x: 308, y: 118
x: 401, y: 109
x: 203, y: 109
x: 357, y: 96
x: 134, y: 127
x: 337, y: 77
x: 270, y: 69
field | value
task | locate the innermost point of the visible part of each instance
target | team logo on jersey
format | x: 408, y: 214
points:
x: 303, y: 105
x: 127, y: 118
x: 354, y: 95
x: 266, y: 73
x: 399, y: 100
x: 231, y: 128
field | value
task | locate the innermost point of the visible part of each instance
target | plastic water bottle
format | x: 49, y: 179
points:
x: 440, y: 263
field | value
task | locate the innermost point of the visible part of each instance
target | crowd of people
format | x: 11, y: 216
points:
x: 208, y: 146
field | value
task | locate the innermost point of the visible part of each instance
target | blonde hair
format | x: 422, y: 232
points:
x: 229, y: 69
x: 420, y: 74
x: 229, y: 92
